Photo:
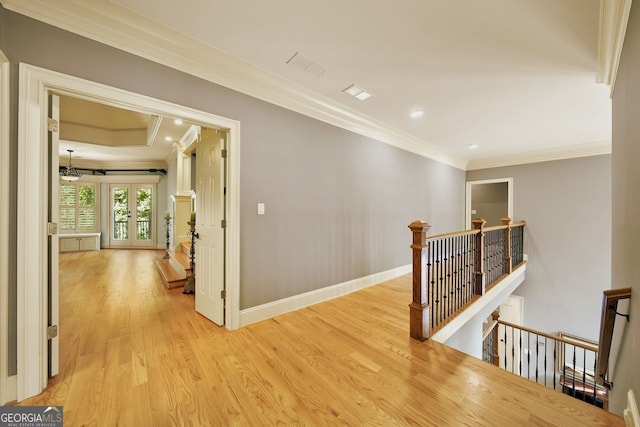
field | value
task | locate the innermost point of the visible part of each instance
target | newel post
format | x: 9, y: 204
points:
x: 478, y: 224
x: 507, y: 245
x: 495, y: 316
x: 419, y: 308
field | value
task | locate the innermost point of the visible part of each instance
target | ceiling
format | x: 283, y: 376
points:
x: 494, y: 78
x: 101, y: 135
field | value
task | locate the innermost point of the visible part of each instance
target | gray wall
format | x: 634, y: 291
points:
x: 490, y: 201
x: 567, y: 206
x: 337, y: 204
x: 626, y: 207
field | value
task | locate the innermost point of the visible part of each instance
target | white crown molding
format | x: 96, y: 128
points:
x: 560, y: 153
x: 614, y: 15
x: 117, y: 27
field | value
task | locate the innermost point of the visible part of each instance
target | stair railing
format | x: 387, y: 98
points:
x: 451, y: 270
x: 608, y: 317
x: 561, y: 363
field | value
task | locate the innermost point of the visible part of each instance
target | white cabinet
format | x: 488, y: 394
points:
x: 79, y: 242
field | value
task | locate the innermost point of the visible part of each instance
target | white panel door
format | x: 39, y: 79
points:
x: 53, y: 346
x: 210, y: 182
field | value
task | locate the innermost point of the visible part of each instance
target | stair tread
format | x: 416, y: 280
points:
x: 182, y: 259
x: 185, y: 247
x: 170, y: 276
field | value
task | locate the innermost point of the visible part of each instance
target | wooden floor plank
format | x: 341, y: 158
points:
x: 135, y: 353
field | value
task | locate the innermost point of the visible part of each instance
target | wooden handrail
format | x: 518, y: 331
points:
x: 473, y: 231
x: 607, y: 323
x: 586, y: 346
x: 453, y: 233
x: 489, y: 328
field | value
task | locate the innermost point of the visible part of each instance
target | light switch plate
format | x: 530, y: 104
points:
x: 260, y: 208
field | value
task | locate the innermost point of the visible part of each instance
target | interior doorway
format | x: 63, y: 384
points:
x: 490, y: 200
x: 34, y: 184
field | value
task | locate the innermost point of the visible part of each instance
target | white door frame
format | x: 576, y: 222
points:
x: 34, y: 85
x: 469, y: 188
x: 7, y: 392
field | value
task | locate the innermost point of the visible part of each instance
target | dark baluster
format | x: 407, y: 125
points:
x: 453, y: 292
x: 555, y: 361
x: 468, y: 271
x: 528, y: 355
x: 595, y: 384
x: 454, y: 266
x: 584, y: 375
x: 437, y: 296
x: 520, y: 350
x: 447, y: 266
x: 573, y: 375
x: 537, y: 354
x: 505, y: 347
x: 545, y: 363
x: 513, y: 350
x: 431, y: 280
x: 443, y: 282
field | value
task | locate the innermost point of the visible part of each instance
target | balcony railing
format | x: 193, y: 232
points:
x: 451, y: 270
x: 121, y: 230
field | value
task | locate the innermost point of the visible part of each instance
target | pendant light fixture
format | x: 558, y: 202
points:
x: 70, y: 173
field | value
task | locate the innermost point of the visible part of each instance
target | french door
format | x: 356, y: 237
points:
x: 132, y: 215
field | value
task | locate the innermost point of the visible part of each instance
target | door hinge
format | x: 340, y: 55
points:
x: 223, y: 153
x: 52, y: 332
x: 52, y: 125
x: 223, y: 223
x: 52, y: 228
x: 223, y: 294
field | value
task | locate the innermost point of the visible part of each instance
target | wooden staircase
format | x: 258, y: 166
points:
x: 175, y: 269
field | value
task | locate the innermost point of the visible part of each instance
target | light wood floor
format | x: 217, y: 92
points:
x: 135, y: 354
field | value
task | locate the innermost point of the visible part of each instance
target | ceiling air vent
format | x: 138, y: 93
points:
x: 306, y: 65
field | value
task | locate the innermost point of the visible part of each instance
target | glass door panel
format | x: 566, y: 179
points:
x: 132, y: 207
x: 121, y: 214
x: 143, y: 213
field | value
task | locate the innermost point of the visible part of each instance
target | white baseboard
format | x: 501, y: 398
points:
x: 285, y: 305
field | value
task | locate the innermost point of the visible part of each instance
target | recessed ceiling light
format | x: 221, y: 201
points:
x: 363, y: 95
x: 168, y: 138
x: 358, y: 92
x: 416, y: 113
x: 352, y: 90
x: 473, y: 146
x: 178, y: 122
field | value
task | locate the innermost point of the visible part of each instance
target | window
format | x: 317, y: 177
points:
x: 78, y: 209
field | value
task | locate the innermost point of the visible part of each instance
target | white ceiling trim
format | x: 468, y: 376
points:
x: 110, y: 24
x: 614, y: 15
x: 560, y: 153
